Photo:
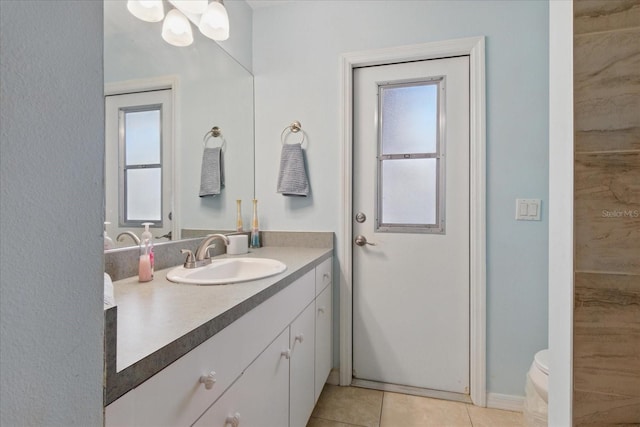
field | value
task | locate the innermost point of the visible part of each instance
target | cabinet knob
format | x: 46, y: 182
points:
x: 208, y: 380
x: 321, y: 310
x: 326, y: 277
x: 286, y: 353
x: 299, y: 338
x: 234, y: 420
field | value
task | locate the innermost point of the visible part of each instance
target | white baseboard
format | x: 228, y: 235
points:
x: 506, y: 402
x: 334, y: 377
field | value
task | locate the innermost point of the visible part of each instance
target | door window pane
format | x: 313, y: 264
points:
x: 410, y: 166
x: 144, y: 194
x: 409, y: 191
x: 409, y: 118
x: 142, y: 135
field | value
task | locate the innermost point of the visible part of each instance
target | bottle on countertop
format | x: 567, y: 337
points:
x: 239, y: 226
x: 146, y: 262
x: 255, y: 230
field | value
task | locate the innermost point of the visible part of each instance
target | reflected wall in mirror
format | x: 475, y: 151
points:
x: 208, y: 88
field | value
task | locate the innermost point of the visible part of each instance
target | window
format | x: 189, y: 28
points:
x: 410, y: 153
x: 140, y: 160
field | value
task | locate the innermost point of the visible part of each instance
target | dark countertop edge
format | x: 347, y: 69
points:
x: 118, y: 384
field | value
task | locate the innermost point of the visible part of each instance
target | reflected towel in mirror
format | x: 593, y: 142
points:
x: 292, y: 179
x: 212, y: 174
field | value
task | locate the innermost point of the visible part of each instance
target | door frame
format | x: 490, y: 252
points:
x: 475, y: 48
x: 160, y: 83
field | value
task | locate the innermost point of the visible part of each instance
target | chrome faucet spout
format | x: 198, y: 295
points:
x: 135, y: 238
x: 202, y: 251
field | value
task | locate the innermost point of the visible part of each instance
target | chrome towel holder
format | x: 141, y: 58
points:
x: 215, y: 132
x: 294, y: 127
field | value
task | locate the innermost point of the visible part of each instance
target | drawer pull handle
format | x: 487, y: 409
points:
x: 208, y: 380
x: 299, y: 338
x: 234, y: 420
x: 286, y: 353
x: 321, y: 310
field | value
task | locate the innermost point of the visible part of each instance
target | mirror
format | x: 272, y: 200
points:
x: 210, y: 88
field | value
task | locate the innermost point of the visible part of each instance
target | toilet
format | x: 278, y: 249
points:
x: 537, y: 391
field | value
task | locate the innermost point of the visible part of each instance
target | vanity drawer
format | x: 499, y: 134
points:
x: 324, y: 275
x: 175, y: 396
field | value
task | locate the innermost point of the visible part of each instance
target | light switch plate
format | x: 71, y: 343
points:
x: 528, y: 209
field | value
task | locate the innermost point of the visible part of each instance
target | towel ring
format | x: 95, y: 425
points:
x: 294, y: 127
x: 215, y: 132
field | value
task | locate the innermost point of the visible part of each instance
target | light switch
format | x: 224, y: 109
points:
x: 528, y: 209
x: 523, y: 209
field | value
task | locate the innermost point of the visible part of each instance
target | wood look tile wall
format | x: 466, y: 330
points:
x: 606, y: 333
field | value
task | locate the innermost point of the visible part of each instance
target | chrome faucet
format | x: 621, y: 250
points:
x: 135, y: 238
x: 202, y: 258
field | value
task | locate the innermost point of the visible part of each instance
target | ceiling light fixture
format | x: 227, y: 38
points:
x: 176, y: 29
x: 211, y: 18
x: 146, y: 10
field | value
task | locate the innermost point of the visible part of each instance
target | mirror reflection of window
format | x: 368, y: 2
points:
x: 141, y: 165
x: 138, y: 177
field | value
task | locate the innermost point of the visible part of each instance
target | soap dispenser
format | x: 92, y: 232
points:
x: 146, y: 262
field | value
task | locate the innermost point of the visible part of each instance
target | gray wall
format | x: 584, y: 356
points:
x: 52, y: 154
x: 296, y: 68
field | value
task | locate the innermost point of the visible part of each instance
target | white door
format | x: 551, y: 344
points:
x: 411, y: 187
x: 139, y: 163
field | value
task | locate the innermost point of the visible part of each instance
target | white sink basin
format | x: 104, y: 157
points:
x: 227, y: 270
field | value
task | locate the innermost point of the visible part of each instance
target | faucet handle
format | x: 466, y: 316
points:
x: 190, y: 262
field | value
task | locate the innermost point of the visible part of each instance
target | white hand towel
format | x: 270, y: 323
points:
x: 212, y: 173
x: 292, y: 179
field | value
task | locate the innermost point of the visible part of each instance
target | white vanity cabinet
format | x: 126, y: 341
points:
x: 260, y: 397
x: 302, y: 366
x: 264, y: 369
x: 323, y: 323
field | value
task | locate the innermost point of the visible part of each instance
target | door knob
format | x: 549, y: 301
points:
x: 361, y: 241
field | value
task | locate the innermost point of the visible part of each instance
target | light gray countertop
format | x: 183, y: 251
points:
x: 158, y: 322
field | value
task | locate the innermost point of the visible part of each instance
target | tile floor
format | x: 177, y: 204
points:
x: 352, y: 406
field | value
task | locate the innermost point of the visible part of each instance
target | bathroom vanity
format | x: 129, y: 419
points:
x: 253, y: 353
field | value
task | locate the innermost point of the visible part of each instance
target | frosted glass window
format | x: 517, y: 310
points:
x: 142, y: 135
x: 409, y: 118
x: 141, y: 165
x: 144, y: 194
x: 409, y: 192
x: 410, y: 176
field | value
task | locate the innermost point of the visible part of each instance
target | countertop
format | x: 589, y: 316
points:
x: 158, y: 322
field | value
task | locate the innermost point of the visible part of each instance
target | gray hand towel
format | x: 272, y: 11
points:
x: 212, y: 173
x: 292, y: 179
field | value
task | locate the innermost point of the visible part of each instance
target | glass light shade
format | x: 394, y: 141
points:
x: 214, y: 22
x: 197, y: 7
x: 146, y: 10
x: 176, y: 29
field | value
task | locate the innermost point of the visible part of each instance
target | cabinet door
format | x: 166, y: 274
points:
x: 301, y: 381
x: 323, y: 275
x: 260, y: 397
x: 324, y: 353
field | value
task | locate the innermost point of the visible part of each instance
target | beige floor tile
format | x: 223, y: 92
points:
x: 319, y: 422
x: 407, y: 411
x: 349, y: 405
x: 486, y: 417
